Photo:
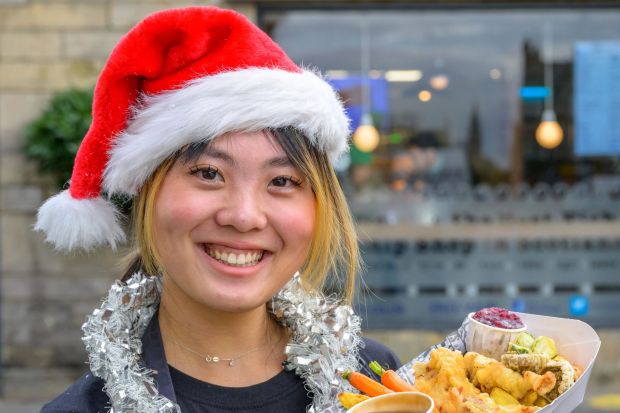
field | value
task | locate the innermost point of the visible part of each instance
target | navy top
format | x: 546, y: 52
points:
x: 285, y: 392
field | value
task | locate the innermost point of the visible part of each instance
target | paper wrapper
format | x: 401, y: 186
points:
x: 574, y: 339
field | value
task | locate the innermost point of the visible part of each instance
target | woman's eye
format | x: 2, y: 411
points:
x: 283, y: 181
x: 208, y: 173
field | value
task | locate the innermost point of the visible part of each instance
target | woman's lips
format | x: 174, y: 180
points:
x: 234, y: 257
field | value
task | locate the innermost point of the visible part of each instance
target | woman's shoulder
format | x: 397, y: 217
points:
x: 86, y: 395
x: 372, y: 350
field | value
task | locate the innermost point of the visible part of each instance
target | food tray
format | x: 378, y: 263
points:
x: 574, y: 339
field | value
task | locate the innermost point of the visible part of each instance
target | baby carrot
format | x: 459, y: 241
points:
x: 390, y: 378
x: 365, y: 384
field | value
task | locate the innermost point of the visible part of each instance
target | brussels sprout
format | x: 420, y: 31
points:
x: 515, y: 348
x: 545, y: 345
x: 525, y: 339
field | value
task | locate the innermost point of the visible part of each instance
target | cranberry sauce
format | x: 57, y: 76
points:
x: 498, y: 317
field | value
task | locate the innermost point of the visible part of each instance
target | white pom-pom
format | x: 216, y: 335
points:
x: 71, y: 223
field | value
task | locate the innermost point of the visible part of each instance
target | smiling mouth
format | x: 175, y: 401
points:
x: 235, y: 259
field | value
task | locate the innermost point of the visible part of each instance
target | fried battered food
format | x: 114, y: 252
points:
x: 525, y: 362
x: 578, y: 371
x: 488, y: 373
x: 487, y: 405
x: 562, y: 369
x: 541, y: 384
x: 565, y: 376
x: 444, y: 378
x: 529, y: 398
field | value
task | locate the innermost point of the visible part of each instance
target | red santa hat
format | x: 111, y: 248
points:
x: 182, y: 76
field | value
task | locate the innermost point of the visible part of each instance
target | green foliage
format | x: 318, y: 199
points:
x: 52, y: 140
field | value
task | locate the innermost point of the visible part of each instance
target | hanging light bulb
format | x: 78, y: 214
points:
x: 366, y: 137
x: 425, y: 96
x: 439, y: 82
x: 549, y: 133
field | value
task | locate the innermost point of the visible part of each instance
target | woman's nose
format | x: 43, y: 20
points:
x: 244, y: 210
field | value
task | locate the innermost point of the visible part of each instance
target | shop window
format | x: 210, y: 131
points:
x: 457, y: 96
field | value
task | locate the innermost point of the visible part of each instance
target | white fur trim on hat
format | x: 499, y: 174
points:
x: 244, y: 100
x: 71, y: 223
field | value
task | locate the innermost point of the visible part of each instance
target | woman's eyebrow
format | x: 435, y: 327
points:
x: 217, y: 154
x: 278, y: 161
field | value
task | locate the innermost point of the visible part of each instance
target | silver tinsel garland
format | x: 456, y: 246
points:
x: 325, y: 341
x: 113, y: 340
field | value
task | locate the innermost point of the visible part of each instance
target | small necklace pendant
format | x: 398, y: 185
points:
x: 216, y: 359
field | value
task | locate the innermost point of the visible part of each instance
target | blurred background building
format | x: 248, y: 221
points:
x: 485, y: 168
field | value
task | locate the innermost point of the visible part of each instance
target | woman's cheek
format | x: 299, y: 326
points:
x: 179, y: 215
x: 298, y: 221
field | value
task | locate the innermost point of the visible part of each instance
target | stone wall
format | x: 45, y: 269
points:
x: 48, y: 46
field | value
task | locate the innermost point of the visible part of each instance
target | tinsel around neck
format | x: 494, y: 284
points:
x: 325, y: 340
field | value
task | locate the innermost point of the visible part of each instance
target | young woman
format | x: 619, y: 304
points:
x: 239, y: 224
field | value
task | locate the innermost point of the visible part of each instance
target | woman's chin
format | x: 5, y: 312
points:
x: 234, y: 302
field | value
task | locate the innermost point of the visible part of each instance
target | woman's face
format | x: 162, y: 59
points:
x: 233, y: 226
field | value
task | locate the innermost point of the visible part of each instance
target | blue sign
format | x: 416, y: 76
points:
x: 578, y: 305
x: 597, y: 98
x: 533, y: 92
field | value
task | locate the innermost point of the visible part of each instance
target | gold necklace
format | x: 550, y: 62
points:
x: 208, y: 358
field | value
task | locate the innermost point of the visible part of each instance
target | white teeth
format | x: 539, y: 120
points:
x: 241, y: 260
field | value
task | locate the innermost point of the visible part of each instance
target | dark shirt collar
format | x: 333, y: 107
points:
x: 155, y: 358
